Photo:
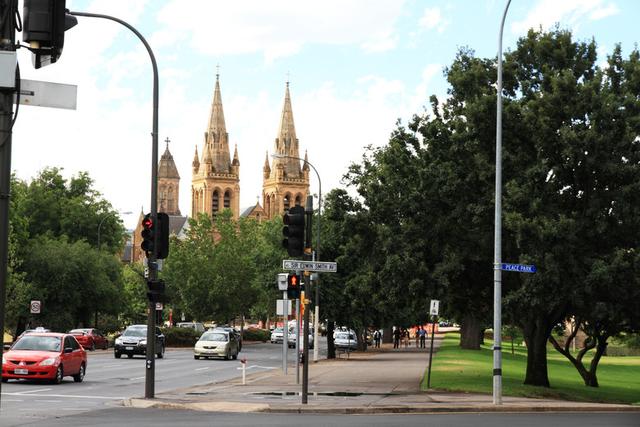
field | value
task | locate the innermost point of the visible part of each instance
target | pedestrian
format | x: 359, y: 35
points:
x: 417, y: 335
x: 376, y: 338
x: 406, y: 337
x: 423, y: 336
x: 396, y: 337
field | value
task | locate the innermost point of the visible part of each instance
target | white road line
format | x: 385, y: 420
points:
x: 33, y: 391
x: 204, y: 369
x: 136, y: 378
x: 73, y: 396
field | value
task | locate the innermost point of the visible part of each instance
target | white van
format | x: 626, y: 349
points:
x: 197, y: 326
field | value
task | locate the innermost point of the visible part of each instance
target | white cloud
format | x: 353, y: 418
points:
x: 278, y: 29
x: 432, y: 19
x: 567, y: 12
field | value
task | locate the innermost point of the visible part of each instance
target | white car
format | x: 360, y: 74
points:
x: 217, y: 343
x: 277, y: 336
x: 292, y: 339
x: 345, y: 340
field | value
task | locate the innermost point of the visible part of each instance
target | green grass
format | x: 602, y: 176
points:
x: 455, y: 369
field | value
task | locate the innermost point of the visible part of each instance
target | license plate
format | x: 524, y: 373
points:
x: 128, y: 348
x: 21, y: 372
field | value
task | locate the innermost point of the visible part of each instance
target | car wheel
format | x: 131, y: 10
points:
x: 93, y: 346
x: 80, y: 375
x: 4, y: 380
x: 116, y: 355
x: 59, y: 374
x: 130, y: 356
x: 227, y: 356
x: 160, y: 354
x: 235, y: 356
x: 196, y: 357
x: 106, y: 345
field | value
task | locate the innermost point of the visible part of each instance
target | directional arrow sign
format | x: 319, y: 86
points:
x: 520, y: 268
x: 321, y: 266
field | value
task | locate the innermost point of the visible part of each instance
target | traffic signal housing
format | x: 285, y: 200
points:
x: 44, y: 24
x: 163, y: 236
x: 156, y: 291
x: 293, y: 231
x: 293, y: 286
x: 148, y: 235
x: 152, y: 243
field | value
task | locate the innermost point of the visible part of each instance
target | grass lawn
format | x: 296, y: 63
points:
x: 455, y: 369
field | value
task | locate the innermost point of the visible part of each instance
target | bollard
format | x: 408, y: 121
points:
x: 243, y: 362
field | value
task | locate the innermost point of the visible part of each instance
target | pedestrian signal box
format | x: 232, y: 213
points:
x: 293, y: 286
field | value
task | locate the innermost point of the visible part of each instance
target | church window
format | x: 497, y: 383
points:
x: 215, y: 202
x: 287, y: 202
x: 227, y: 199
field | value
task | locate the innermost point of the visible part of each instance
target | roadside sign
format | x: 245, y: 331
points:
x: 435, y: 307
x: 282, y: 281
x: 48, y: 94
x: 320, y: 266
x: 282, y: 305
x: 35, y: 307
x: 520, y: 268
x: 159, y: 306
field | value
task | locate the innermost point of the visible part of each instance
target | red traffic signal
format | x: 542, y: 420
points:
x: 148, y: 235
x: 293, y: 286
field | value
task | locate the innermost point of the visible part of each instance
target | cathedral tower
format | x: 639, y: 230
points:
x: 215, y: 183
x: 168, y: 184
x: 285, y: 183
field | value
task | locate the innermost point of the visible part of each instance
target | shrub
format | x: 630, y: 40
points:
x: 180, y: 337
x: 255, y: 334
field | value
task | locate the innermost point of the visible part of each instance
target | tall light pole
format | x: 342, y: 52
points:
x: 317, y: 253
x: 497, y: 253
x: 102, y: 221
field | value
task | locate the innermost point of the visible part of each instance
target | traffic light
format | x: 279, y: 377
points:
x: 156, y: 291
x: 163, y: 236
x: 293, y: 286
x: 293, y: 231
x: 44, y: 24
x: 148, y: 235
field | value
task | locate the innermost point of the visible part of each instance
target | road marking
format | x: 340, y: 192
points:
x: 136, y: 378
x: 32, y: 391
x: 48, y: 401
x: 66, y: 396
x: 202, y: 369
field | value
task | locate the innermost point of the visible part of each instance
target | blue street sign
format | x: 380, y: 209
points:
x: 520, y: 268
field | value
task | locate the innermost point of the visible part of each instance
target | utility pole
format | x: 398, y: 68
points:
x: 308, y: 210
x: 7, y: 47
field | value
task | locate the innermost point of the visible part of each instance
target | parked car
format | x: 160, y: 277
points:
x: 291, y: 341
x: 197, y: 326
x: 90, y: 338
x: 28, y: 331
x: 277, y: 335
x: 233, y: 331
x: 345, y: 340
x: 217, y: 343
x: 134, y: 341
x: 45, y: 356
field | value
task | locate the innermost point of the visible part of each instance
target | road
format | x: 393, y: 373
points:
x: 158, y: 418
x: 109, y: 381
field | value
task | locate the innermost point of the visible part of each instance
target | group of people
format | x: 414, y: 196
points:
x: 403, y: 334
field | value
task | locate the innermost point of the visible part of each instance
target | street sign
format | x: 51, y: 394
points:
x: 159, y: 306
x: 282, y: 305
x: 320, y: 266
x: 520, y: 268
x: 47, y: 94
x: 435, y: 307
x: 35, y: 307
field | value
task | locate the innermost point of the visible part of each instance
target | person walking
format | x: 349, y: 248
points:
x: 405, y: 334
x: 396, y: 337
x: 423, y: 336
x: 417, y: 335
x: 376, y: 338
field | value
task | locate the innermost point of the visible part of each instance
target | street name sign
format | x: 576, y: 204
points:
x: 520, y: 268
x: 320, y: 266
x: 48, y: 94
x: 435, y: 307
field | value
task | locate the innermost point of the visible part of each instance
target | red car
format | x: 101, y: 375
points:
x: 45, y: 356
x: 90, y: 338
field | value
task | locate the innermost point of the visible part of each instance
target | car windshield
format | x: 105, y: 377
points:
x: 77, y: 331
x: 135, y: 332
x: 343, y: 336
x: 278, y: 330
x: 38, y: 343
x: 214, y: 336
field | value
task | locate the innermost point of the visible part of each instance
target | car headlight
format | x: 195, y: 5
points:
x: 143, y: 342
x: 50, y: 361
x: 119, y: 341
x: 4, y: 360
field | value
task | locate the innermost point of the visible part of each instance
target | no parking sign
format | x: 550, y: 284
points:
x: 35, y: 307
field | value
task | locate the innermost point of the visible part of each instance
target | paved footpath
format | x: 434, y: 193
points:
x: 376, y: 381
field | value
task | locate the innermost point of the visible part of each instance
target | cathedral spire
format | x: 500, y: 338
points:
x: 196, y: 161
x: 287, y: 141
x: 216, y: 137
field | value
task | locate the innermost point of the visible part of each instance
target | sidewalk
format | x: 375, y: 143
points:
x: 384, y: 381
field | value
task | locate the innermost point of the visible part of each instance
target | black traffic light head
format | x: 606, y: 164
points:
x: 45, y: 22
x: 156, y: 291
x: 293, y: 286
x: 293, y: 231
x: 163, y: 236
x: 148, y: 235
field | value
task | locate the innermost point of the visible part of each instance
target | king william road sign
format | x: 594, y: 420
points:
x: 321, y: 266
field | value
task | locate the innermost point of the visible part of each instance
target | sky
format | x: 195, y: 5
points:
x: 355, y: 67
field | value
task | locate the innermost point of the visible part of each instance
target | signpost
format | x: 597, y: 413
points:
x: 35, y: 307
x: 319, y: 266
x: 433, y: 311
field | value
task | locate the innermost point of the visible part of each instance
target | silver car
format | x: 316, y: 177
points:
x: 277, y: 336
x: 345, y: 341
x: 217, y: 343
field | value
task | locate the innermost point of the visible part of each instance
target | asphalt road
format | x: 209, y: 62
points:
x: 158, y: 418
x: 108, y: 381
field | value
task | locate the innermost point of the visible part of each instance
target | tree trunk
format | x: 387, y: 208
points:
x: 331, y: 348
x: 471, y: 331
x: 536, y: 335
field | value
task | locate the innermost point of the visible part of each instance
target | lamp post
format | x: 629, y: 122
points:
x: 102, y: 221
x: 317, y: 253
x: 497, y: 244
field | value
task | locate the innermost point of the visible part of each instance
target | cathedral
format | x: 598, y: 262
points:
x: 215, y: 175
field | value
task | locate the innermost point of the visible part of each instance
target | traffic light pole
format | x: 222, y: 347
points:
x: 305, y: 329
x: 149, y: 389
x: 7, y: 43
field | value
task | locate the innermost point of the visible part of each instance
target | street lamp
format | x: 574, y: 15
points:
x: 102, y: 221
x: 317, y: 252
x: 497, y: 244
